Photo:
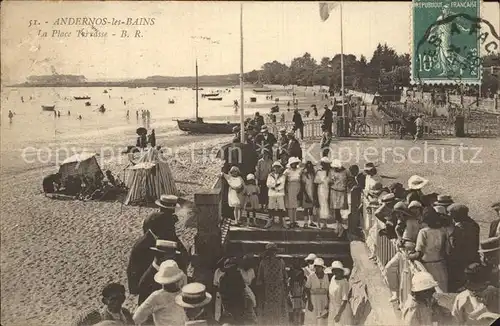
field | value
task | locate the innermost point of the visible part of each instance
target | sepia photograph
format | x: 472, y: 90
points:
x: 250, y: 163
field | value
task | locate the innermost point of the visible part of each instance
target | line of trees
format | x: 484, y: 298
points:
x: 386, y: 72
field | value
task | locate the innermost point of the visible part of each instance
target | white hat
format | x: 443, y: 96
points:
x: 415, y: 203
x: 168, y: 273
x: 311, y: 256
x: 263, y: 128
x: 293, y: 160
x: 328, y: 270
x: 325, y: 159
x: 416, y: 182
x: 336, y: 164
x: 319, y: 262
x: 193, y: 295
x: 277, y: 163
x: 422, y: 281
x: 338, y: 265
x: 440, y: 210
x: 250, y: 177
x: 165, y: 246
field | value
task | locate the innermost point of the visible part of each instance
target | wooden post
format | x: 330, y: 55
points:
x: 208, y: 239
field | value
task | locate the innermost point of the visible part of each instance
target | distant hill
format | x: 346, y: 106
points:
x: 152, y: 81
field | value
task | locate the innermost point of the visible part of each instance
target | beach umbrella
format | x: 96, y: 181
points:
x: 141, y: 131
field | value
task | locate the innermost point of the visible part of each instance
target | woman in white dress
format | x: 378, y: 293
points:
x: 317, y: 295
x: 292, y: 189
x: 339, y: 310
x: 236, y: 193
x: 322, y: 180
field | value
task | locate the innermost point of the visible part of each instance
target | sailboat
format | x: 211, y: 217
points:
x: 198, y: 126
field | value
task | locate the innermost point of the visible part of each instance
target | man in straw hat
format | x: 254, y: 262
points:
x: 478, y: 295
x: 113, y: 297
x: 421, y: 307
x: 194, y: 299
x: 163, y: 250
x: 464, y: 244
x: 495, y: 225
x: 161, y: 303
x: 490, y: 257
x: 158, y: 225
x: 415, y: 185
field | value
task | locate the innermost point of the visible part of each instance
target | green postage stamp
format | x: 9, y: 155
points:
x: 446, y: 44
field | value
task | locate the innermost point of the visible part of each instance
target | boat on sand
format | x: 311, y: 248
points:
x: 48, y: 107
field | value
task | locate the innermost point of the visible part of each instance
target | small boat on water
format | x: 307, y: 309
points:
x: 170, y: 101
x: 210, y: 95
x: 81, y: 97
x: 88, y: 104
x: 172, y: 88
x: 262, y: 90
x: 105, y: 92
x: 194, y: 88
x: 48, y: 107
x: 215, y: 98
x: 198, y: 126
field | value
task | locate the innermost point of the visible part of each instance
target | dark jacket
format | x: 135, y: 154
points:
x: 327, y: 116
x: 297, y: 120
x: 493, y: 229
x: 294, y: 149
x: 140, y: 259
x: 147, y: 284
x: 262, y: 144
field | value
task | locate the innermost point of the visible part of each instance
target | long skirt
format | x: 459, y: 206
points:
x: 439, y: 271
x: 320, y: 303
x: 263, y: 195
x: 324, y: 208
x: 293, y: 190
x: 338, y: 199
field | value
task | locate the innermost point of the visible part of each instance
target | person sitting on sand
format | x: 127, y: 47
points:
x: 51, y: 183
x: 113, y: 297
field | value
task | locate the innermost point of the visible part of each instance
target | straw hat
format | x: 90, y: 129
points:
x: 168, y: 273
x: 165, y: 246
x: 325, y: 159
x: 336, y: 164
x: 319, y: 262
x: 387, y: 198
x: 250, y: 177
x: 401, y: 208
x: 440, y: 210
x: 263, y: 128
x: 167, y: 201
x: 338, y: 265
x: 193, y: 295
x: 443, y: 200
x: 416, y: 182
x: 277, y: 163
x: 311, y: 256
x: 422, y: 281
x: 490, y: 244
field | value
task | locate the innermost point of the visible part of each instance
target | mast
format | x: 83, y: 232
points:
x: 344, y: 118
x: 242, y: 98
x: 196, y: 89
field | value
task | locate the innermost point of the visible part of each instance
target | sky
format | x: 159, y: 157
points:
x: 272, y: 31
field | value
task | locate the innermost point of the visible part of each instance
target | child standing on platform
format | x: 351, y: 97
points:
x: 276, y: 185
x: 235, y: 196
x: 252, y: 199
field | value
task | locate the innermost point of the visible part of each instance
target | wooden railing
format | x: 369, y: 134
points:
x: 442, y: 127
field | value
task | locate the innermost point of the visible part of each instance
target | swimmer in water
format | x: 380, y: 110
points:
x: 80, y: 117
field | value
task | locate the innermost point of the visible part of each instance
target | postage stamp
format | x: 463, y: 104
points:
x: 446, y: 45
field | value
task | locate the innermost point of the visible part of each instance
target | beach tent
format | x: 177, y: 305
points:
x: 82, y: 165
x: 149, y: 178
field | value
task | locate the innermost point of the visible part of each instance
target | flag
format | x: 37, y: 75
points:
x: 325, y: 8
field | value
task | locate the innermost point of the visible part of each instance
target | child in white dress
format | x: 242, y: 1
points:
x: 235, y: 196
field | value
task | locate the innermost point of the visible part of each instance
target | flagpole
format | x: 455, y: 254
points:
x: 242, y: 98
x: 344, y: 127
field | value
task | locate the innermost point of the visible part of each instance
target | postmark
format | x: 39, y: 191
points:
x: 447, y: 40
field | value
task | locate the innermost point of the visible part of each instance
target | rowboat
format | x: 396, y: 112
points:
x: 81, y: 97
x: 215, y: 98
x: 210, y: 95
x: 200, y: 127
x: 48, y: 107
x: 262, y: 90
